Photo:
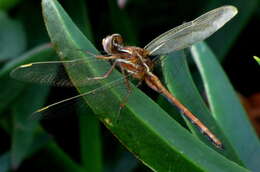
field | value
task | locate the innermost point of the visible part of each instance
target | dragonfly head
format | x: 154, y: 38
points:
x: 112, y: 43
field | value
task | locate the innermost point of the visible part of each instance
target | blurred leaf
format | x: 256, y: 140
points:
x: 12, y: 37
x: 12, y: 88
x: 231, y: 31
x: 62, y: 158
x: 257, y: 59
x: 155, y: 138
x: 226, y: 108
x: 7, y: 4
x: 90, y: 140
x: 29, y: 13
x: 31, y: 99
x: 40, y: 140
x: 41, y: 52
x: 5, y: 162
x: 127, y: 163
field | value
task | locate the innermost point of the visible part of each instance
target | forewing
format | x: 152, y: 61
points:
x: 191, y: 32
x: 54, y: 73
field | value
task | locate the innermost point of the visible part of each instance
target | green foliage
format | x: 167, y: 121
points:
x: 147, y: 129
x: 257, y: 59
x: 7, y: 4
x: 12, y: 37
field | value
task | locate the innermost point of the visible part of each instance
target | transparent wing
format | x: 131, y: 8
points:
x: 54, y: 73
x: 93, y: 97
x: 191, y: 32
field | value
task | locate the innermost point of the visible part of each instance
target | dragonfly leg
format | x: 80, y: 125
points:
x: 107, y: 73
x: 125, y: 98
x: 107, y: 57
x: 104, y: 57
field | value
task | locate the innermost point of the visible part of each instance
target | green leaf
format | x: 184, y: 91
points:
x: 62, y: 158
x: 30, y: 100
x: 226, y: 107
x: 10, y: 89
x: 90, y: 140
x: 23, y: 133
x: 179, y: 81
x: 41, y: 140
x: 90, y: 136
x: 257, y: 59
x: 7, y: 4
x: 12, y: 37
x: 143, y: 127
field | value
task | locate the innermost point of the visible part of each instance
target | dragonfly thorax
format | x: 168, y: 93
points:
x: 133, y: 60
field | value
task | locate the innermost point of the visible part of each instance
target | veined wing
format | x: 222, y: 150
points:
x: 54, y: 72
x: 98, y: 96
x: 191, y: 32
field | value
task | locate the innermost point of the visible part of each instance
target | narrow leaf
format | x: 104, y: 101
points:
x: 180, y: 83
x: 226, y: 107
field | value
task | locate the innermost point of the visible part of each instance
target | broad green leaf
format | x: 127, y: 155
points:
x: 226, y: 107
x: 180, y: 83
x: 12, y: 37
x: 90, y: 136
x: 143, y: 127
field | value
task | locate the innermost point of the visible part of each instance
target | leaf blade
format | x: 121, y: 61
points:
x: 223, y: 101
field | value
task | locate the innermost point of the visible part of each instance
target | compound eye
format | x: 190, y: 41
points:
x: 117, y: 40
x: 107, y: 44
x: 112, y: 43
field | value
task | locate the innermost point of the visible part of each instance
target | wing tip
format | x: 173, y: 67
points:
x: 12, y: 73
x: 232, y: 9
x: 25, y: 65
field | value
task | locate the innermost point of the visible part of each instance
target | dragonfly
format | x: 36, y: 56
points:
x: 135, y: 62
